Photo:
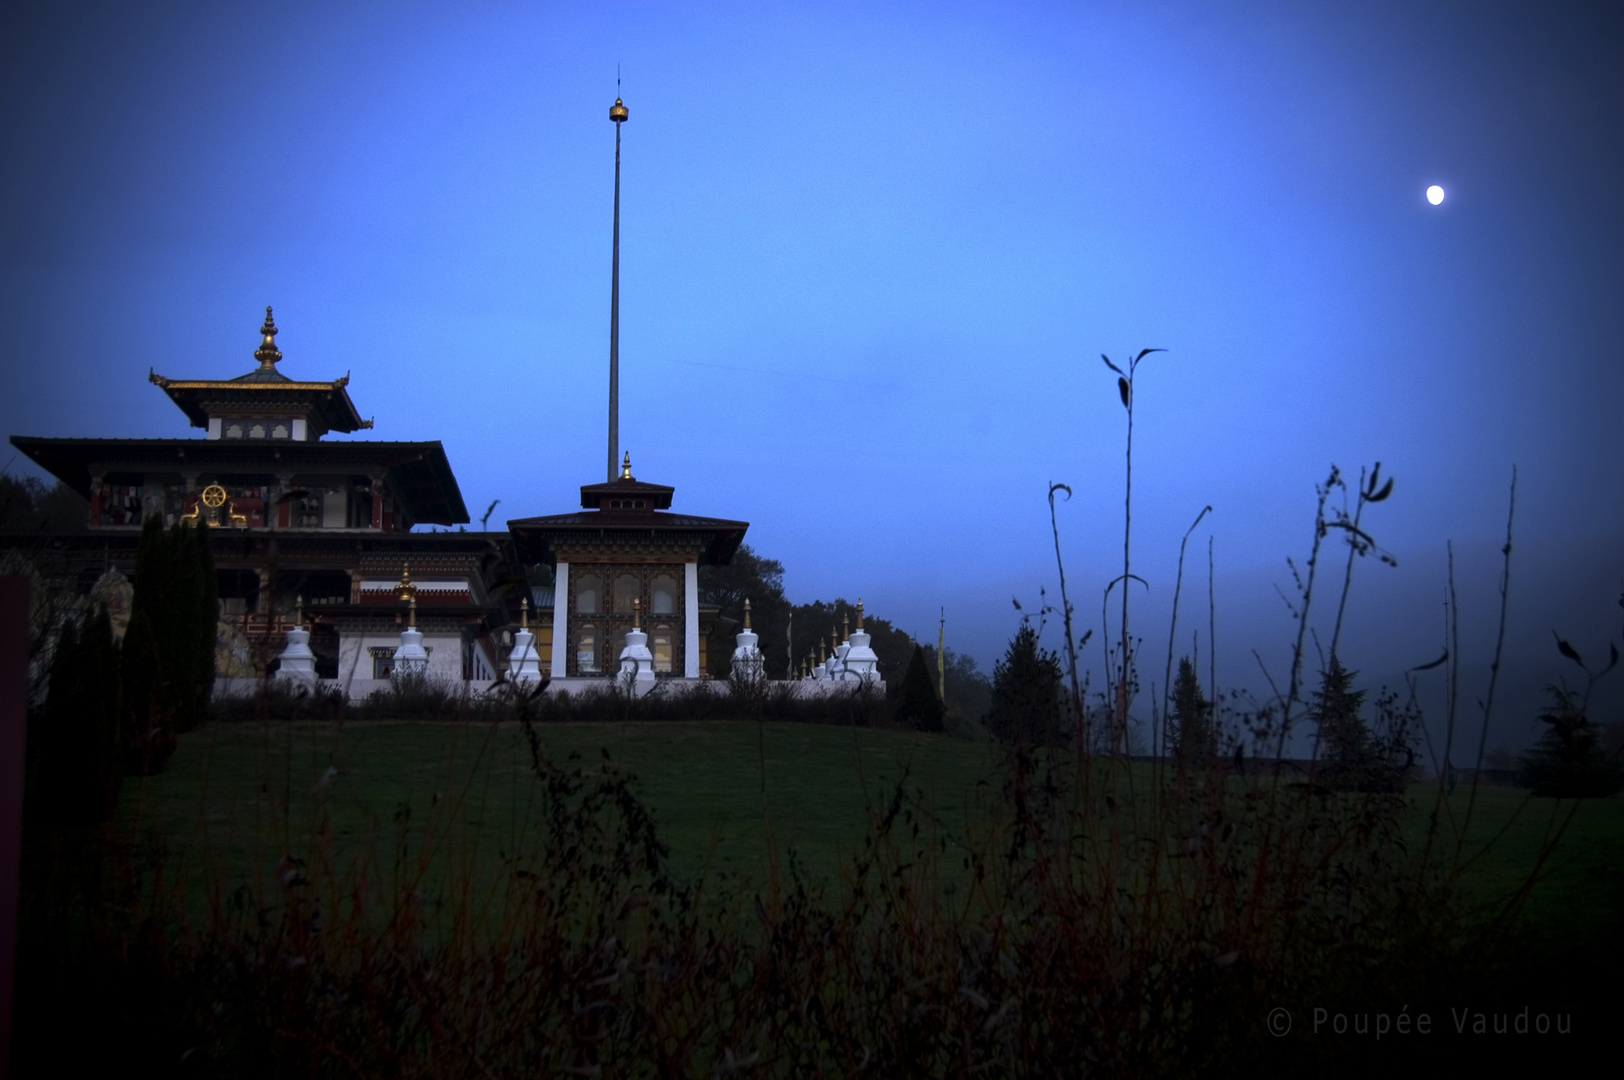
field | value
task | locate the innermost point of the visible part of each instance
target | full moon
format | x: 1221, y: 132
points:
x: 1435, y: 194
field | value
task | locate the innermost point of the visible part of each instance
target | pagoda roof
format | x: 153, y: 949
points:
x: 265, y: 388
x: 418, y: 473
x: 657, y: 495
x: 718, y: 538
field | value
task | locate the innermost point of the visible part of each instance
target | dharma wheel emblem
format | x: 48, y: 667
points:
x: 213, y: 497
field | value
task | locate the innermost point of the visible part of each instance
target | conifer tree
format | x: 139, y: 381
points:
x: 1568, y: 761
x: 196, y: 623
x: 1194, y: 738
x: 1345, y: 744
x: 157, y: 645
x: 1026, y: 693
x: 79, y: 765
x: 917, y: 704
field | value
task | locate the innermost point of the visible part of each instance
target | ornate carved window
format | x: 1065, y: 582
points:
x: 664, y: 591
x: 586, y: 650
x: 660, y: 645
x: 627, y: 589
x: 588, y: 590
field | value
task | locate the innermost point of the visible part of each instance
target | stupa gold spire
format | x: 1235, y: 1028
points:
x: 747, y: 613
x: 626, y: 467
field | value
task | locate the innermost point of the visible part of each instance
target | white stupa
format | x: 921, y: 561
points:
x: 860, y: 662
x: 636, y: 662
x: 297, y: 664
x: 747, y: 660
x: 410, y: 657
x: 524, y: 664
x: 841, y: 672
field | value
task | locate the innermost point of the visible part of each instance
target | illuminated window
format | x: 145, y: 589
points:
x: 280, y: 431
x: 660, y: 646
x: 587, y: 591
x: 586, y: 650
x: 627, y: 589
x: 233, y: 431
x: 257, y: 431
x: 664, y: 591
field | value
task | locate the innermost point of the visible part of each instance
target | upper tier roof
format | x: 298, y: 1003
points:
x: 265, y: 389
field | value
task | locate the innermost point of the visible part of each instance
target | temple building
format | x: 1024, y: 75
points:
x: 623, y: 561
x: 321, y: 531
x: 293, y: 517
x: 624, y: 558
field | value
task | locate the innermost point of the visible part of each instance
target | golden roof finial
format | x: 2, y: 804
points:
x: 617, y: 112
x: 408, y: 592
x: 267, y: 354
x: 859, y: 614
x: 626, y: 467
x: 524, y: 613
x: 747, y: 613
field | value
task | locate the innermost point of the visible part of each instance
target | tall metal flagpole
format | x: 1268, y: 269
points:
x: 617, y: 113
x: 941, y: 657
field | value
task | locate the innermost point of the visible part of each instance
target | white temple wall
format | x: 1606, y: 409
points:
x: 355, y: 655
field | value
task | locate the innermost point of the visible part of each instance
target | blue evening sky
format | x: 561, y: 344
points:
x: 870, y: 256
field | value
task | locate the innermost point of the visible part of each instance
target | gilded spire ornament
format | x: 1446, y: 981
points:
x: 626, y: 467
x: 747, y: 613
x: 268, y: 354
x: 859, y: 614
x: 407, y: 592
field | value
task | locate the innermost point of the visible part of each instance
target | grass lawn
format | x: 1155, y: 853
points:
x: 238, y: 797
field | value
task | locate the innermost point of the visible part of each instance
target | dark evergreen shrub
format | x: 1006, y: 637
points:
x: 1193, y: 738
x: 1568, y: 762
x: 79, y: 753
x: 918, y: 707
x: 1026, y: 694
x: 1353, y: 757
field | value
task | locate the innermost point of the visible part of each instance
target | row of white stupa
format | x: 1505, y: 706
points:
x: 851, y: 661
